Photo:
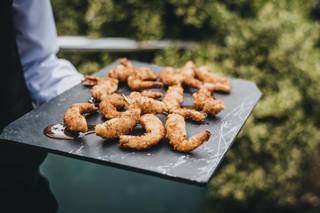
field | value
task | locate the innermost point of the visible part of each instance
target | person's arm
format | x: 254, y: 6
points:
x: 46, y: 76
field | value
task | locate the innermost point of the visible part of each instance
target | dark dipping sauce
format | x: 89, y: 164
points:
x: 59, y: 131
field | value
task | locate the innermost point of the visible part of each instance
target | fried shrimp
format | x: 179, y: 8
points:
x: 221, y: 87
x: 203, y: 74
x: 146, y: 104
x: 145, y: 73
x: 204, y: 101
x: 188, y: 70
x: 174, y: 98
x: 190, y: 114
x: 155, y: 131
x: 192, y: 82
x: 136, y: 83
x: 103, y: 86
x: 185, y: 75
x: 138, y: 78
x: 143, y: 78
x: 151, y: 94
x: 169, y: 76
x: 176, y: 134
x: 110, y: 104
x: 222, y: 84
x: 73, y: 118
x: 122, y: 125
x: 122, y: 71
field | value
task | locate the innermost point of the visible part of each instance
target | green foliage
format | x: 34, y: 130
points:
x: 274, y: 43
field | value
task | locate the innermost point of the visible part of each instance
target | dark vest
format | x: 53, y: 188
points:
x: 14, y: 97
x: 21, y: 185
x: 15, y: 100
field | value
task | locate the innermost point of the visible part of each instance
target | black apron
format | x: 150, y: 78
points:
x: 21, y: 185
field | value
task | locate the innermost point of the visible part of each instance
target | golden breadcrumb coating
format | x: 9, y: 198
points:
x: 174, y: 98
x: 205, y: 102
x: 147, y: 105
x: 122, y: 125
x: 138, y: 78
x: 155, y: 131
x: 169, y: 76
x: 135, y: 83
x: 125, y: 62
x: 143, y: 78
x: 109, y: 105
x: 204, y: 75
x: 90, y: 80
x: 190, y: 114
x: 184, y: 75
x: 142, y: 106
x: 145, y: 73
x: 192, y: 82
x: 151, y: 94
x: 177, y: 136
x: 219, y: 87
x: 188, y: 70
x: 122, y: 71
x: 192, y: 76
x: 73, y: 118
x: 103, y: 86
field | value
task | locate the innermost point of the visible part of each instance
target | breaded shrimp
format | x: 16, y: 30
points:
x: 177, y: 136
x: 90, y: 80
x: 103, y: 86
x: 169, y: 76
x: 151, y: 94
x: 136, y: 83
x: 147, y: 105
x: 190, y: 114
x: 122, y: 125
x: 192, y: 82
x: 203, y: 74
x: 154, y: 133
x: 122, y: 71
x: 138, y: 78
x: 125, y: 62
x: 110, y: 104
x: 73, y: 118
x: 185, y: 75
x: 143, y: 78
x: 145, y: 73
x: 220, y: 87
x: 205, y: 102
x: 174, y: 98
x: 188, y: 70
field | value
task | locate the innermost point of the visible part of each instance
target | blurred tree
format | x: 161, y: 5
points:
x: 273, y: 43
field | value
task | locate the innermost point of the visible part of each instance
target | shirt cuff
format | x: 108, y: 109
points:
x: 50, y: 78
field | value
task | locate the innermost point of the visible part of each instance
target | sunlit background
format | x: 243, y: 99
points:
x: 274, y: 163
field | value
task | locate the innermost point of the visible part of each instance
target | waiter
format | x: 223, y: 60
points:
x: 30, y: 73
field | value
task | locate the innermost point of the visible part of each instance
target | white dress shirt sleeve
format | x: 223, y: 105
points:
x: 46, y: 76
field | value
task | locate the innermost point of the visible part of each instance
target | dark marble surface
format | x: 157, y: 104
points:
x: 196, y: 167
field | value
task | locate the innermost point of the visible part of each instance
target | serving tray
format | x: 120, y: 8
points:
x: 196, y: 167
